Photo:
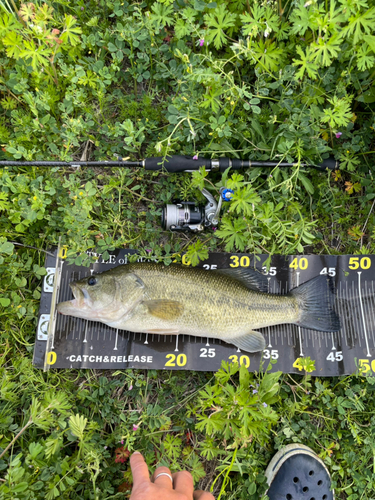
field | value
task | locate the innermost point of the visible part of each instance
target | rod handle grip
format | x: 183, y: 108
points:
x: 176, y: 163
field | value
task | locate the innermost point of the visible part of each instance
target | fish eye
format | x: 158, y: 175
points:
x: 92, y: 281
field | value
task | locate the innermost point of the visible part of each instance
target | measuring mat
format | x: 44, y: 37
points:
x: 68, y: 342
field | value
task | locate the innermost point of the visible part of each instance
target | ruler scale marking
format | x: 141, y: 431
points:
x: 115, y: 348
x: 353, y: 331
x: 340, y: 307
x: 355, y: 328
x: 299, y: 328
x: 366, y: 309
x: 358, y: 319
x: 363, y: 314
x: 370, y: 312
x: 372, y: 309
x: 355, y: 304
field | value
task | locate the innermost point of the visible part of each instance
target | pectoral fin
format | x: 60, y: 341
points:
x: 164, y: 309
x: 250, y: 342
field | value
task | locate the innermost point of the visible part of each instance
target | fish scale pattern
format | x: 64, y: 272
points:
x: 214, y: 305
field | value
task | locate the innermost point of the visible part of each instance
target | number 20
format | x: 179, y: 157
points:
x: 181, y: 360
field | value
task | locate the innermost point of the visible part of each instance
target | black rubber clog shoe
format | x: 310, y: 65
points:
x: 297, y: 473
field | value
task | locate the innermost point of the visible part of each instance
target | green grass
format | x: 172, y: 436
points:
x: 102, y: 78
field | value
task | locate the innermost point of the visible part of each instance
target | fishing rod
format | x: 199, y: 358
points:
x: 173, y: 164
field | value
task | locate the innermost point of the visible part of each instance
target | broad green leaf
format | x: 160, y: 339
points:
x: 161, y: 14
x: 13, y: 43
x: 218, y: 21
x: 306, y: 64
x: 4, y: 301
x: 324, y: 51
x: 370, y: 40
x: 6, y: 247
x: 360, y: 24
x: 37, y: 55
x: 306, y: 182
x: 71, y: 31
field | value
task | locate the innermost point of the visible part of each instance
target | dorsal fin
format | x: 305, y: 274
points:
x: 248, y: 277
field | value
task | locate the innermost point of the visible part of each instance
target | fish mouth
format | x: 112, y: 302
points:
x: 74, y: 305
x: 78, y: 293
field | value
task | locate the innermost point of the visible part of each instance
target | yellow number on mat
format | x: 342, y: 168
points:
x: 355, y: 263
x: 299, y: 263
x: 236, y: 261
x: 181, y: 360
x: 51, y: 358
x: 244, y: 261
x: 244, y: 360
x: 365, y: 366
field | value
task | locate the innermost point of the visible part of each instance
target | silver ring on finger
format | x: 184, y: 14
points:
x: 164, y: 474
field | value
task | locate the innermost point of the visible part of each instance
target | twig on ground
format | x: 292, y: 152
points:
x: 30, y: 421
x: 34, y: 248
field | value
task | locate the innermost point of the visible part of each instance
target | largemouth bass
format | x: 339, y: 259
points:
x: 225, y: 304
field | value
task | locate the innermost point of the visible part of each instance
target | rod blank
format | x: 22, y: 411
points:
x: 173, y: 164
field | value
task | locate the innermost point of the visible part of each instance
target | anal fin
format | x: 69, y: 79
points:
x: 250, y: 342
x: 163, y: 331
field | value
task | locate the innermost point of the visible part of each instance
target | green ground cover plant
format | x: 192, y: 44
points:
x: 280, y: 80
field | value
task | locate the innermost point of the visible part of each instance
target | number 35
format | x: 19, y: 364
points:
x: 267, y: 354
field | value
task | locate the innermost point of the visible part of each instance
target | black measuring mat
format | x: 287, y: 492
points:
x: 78, y: 343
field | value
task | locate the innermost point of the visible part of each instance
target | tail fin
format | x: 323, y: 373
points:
x: 316, y: 304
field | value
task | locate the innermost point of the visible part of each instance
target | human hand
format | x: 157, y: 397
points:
x: 162, y: 488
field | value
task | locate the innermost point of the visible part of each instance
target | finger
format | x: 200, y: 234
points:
x: 183, y: 483
x: 139, y: 470
x: 203, y: 495
x: 163, y: 480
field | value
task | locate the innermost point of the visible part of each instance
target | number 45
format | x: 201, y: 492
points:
x: 331, y: 271
x: 335, y: 356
